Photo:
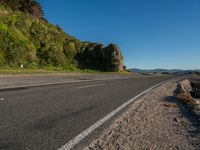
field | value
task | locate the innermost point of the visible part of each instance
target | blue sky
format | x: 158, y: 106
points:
x: 150, y: 33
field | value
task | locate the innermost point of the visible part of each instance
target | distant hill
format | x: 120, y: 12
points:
x: 180, y: 71
x: 29, y: 39
x: 136, y: 70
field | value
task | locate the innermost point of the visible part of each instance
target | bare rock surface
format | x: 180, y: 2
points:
x: 185, y: 86
x: 156, y: 121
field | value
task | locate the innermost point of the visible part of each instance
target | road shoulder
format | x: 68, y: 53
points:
x: 155, y: 121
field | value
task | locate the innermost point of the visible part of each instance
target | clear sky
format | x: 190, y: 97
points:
x: 150, y: 33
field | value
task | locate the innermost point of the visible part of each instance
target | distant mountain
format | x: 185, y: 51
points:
x: 136, y: 70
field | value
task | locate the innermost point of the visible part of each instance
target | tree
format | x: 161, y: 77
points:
x: 32, y: 7
x: 28, y: 6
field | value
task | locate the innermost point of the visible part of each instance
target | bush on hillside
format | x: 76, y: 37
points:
x: 15, y: 49
x: 27, y: 40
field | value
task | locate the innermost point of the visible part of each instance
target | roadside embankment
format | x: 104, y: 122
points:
x: 155, y: 121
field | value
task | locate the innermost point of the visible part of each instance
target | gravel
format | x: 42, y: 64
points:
x: 156, y: 121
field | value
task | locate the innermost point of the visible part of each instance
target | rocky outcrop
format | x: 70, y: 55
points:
x: 184, y: 86
x: 96, y: 56
x: 185, y: 95
x: 114, y: 58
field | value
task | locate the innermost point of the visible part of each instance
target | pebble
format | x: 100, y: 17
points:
x: 177, y: 120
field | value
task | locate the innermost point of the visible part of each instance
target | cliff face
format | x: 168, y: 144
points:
x: 33, y: 42
x: 95, y: 55
x: 115, y: 59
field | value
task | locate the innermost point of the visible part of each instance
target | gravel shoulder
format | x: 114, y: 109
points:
x: 156, y: 121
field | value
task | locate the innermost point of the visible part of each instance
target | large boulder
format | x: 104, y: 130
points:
x: 114, y: 58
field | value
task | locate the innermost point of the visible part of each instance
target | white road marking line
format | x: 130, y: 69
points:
x: 73, y: 81
x: 2, y: 99
x: 88, y: 86
x: 69, y: 145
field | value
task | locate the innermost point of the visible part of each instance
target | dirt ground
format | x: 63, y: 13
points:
x: 157, y: 121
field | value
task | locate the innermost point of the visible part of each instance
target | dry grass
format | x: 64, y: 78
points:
x: 183, y: 97
x: 186, y: 98
x: 170, y: 106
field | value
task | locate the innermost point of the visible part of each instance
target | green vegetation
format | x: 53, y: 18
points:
x: 27, y: 38
x: 47, y: 70
x: 27, y: 6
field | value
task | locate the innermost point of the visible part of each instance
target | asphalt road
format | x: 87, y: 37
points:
x: 47, y: 117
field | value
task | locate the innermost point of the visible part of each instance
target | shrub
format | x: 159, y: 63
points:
x: 69, y: 50
x: 195, y: 88
x: 16, y: 48
x: 2, y: 58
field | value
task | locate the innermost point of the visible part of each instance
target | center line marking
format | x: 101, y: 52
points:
x: 85, y: 133
x: 87, y: 86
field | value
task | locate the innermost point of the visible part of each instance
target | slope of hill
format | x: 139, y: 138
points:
x: 27, y: 38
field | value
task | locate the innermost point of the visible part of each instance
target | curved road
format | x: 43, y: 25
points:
x: 47, y: 117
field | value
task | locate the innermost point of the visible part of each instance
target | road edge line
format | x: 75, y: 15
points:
x: 69, y: 145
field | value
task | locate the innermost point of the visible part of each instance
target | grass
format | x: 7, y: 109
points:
x: 47, y: 70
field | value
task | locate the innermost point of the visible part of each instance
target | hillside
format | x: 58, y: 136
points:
x: 29, y: 39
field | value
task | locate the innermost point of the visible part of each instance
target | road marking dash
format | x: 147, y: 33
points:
x: 88, y: 86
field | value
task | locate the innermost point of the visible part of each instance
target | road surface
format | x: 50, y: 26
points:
x: 47, y: 117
